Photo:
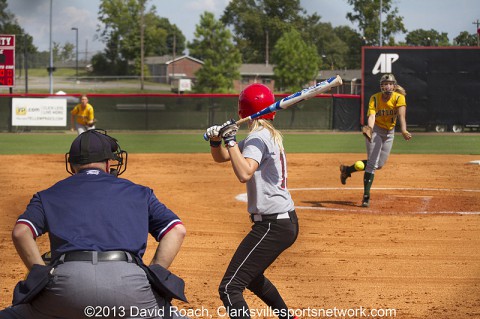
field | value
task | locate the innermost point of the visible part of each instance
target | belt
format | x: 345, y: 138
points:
x: 261, y: 218
x: 98, y: 256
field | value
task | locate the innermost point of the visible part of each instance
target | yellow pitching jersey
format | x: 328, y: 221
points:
x: 83, y: 116
x: 385, y: 112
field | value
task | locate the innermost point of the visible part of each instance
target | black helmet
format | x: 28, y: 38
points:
x: 96, y: 146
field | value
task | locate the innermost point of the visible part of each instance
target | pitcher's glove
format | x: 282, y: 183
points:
x: 367, y: 132
x: 228, y: 131
x: 92, y: 123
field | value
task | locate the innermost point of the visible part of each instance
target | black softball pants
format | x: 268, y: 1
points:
x: 257, y: 251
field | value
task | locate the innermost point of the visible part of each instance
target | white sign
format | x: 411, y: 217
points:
x: 384, y: 63
x: 39, y: 112
x: 185, y: 85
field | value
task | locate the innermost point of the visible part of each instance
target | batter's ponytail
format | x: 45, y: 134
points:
x: 277, y: 136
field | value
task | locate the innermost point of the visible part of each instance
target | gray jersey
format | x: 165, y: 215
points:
x: 267, y: 190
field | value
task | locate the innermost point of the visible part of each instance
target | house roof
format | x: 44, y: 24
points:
x: 346, y: 75
x: 260, y: 69
x: 256, y: 69
x: 167, y: 59
x: 267, y: 70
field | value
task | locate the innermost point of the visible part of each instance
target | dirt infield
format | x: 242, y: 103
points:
x: 413, y: 254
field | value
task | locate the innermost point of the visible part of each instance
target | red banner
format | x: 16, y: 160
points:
x: 7, y: 60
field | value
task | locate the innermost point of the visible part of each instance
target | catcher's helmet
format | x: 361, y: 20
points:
x: 94, y: 146
x: 255, y: 98
x: 387, y: 78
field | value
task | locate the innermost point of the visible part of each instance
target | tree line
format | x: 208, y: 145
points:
x: 278, y: 32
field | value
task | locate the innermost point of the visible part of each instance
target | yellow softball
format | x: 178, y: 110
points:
x: 359, y: 166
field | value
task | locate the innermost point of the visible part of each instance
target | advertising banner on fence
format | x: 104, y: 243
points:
x: 39, y: 112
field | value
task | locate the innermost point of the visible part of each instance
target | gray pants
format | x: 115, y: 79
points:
x: 379, y: 148
x: 83, y: 128
x: 79, y: 289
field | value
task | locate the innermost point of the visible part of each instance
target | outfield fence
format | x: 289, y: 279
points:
x: 195, y: 111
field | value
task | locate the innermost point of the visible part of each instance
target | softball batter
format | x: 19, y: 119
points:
x: 260, y: 162
x: 383, y: 109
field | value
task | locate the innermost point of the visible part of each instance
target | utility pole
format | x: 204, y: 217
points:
x: 142, y: 51
x: 25, y: 53
x: 76, y: 55
x: 50, y: 68
x: 380, y: 40
x: 174, y: 56
x: 266, y: 47
x: 478, y: 31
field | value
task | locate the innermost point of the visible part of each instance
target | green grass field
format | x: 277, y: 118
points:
x: 192, y: 142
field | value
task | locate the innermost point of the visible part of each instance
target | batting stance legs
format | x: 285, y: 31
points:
x: 258, y: 250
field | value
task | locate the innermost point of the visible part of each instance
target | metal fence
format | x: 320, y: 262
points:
x: 196, y: 112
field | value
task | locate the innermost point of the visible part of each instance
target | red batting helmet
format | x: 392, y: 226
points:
x: 255, y: 98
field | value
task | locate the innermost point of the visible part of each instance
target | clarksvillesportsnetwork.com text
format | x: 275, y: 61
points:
x: 310, y: 312
x: 221, y: 312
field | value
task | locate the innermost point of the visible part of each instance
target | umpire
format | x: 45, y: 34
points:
x: 98, y: 228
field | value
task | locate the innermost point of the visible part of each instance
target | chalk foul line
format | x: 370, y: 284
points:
x: 243, y: 198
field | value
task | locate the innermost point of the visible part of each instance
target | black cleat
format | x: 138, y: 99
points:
x: 366, y: 201
x: 344, y: 174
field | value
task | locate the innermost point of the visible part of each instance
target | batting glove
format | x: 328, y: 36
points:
x: 213, y: 132
x: 228, y: 131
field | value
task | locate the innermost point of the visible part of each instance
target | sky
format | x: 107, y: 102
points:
x: 450, y: 16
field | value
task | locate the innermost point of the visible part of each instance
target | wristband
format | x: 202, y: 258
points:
x: 229, y: 138
x: 215, y: 143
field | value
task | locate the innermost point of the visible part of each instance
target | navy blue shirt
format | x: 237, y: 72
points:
x: 93, y: 210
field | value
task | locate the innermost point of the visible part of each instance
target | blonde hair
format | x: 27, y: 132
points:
x: 256, y: 125
x: 400, y: 90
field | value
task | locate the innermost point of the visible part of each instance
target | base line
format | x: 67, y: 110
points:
x: 243, y: 198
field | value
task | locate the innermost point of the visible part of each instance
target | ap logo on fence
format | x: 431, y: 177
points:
x: 384, y: 63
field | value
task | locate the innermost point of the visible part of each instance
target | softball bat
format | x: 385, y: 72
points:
x: 293, y: 99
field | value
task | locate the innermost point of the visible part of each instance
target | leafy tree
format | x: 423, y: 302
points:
x: 258, y: 22
x: 168, y: 33
x: 66, y: 52
x: 121, y: 31
x: 23, y: 43
x: 466, y: 39
x: 330, y: 47
x: 9, y: 25
x: 353, y: 41
x: 213, y: 44
x: 428, y: 38
x: 109, y: 61
x: 366, y: 14
x: 56, y: 48
x: 296, y: 62
x: 5, y: 14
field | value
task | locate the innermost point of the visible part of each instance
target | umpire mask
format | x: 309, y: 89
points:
x: 94, y: 146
